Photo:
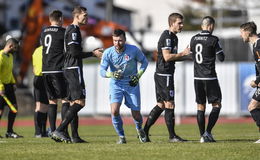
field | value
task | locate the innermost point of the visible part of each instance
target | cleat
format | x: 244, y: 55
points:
x: 147, y: 136
x: 12, y: 135
x: 60, y: 137
x: 78, y: 140
x: 258, y: 141
x: 1, y: 137
x: 176, y: 139
x: 38, y: 136
x: 121, y: 140
x: 142, y: 136
x: 208, y: 137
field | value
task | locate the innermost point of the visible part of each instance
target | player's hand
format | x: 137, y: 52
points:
x: 2, y: 93
x: 253, y: 84
x: 186, y: 51
x: 134, y: 80
x: 118, y: 74
x: 98, y: 52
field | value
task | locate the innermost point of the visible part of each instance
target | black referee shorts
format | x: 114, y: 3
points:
x: 76, y: 85
x: 209, y: 89
x: 55, y: 85
x: 39, y: 90
x: 164, y: 87
x: 9, y: 92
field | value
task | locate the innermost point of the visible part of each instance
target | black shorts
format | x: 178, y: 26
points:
x: 256, y: 95
x: 55, y: 85
x: 9, y: 92
x: 164, y: 87
x: 76, y: 85
x: 39, y: 90
x: 209, y: 89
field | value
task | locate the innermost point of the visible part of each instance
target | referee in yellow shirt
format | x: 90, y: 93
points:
x: 40, y: 95
x: 7, y: 83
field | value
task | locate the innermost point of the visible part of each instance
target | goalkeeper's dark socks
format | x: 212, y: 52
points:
x: 70, y: 114
x: 11, y: 118
x: 170, y: 122
x: 74, y: 126
x: 152, y: 117
x: 201, y: 121
x: 52, y: 113
x: 213, y: 117
x: 255, y: 113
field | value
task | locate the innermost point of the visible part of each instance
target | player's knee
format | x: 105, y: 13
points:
x: 80, y: 102
x: 217, y: 105
x: 201, y: 107
x: 53, y: 101
x: 169, y: 105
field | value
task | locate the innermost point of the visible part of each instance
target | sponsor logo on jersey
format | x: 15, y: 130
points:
x: 74, y: 36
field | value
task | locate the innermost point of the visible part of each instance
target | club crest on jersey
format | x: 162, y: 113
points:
x: 74, y: 36
x: 168, y: 42
x: 171, y: 93
x: 127, y: 57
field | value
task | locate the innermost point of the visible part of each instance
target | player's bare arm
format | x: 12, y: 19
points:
x: 168, y: 56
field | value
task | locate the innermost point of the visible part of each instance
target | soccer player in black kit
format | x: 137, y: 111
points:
x: 248, y: 34
x: 73, y: 71
x: 205, y: 48
x: 164, y: 76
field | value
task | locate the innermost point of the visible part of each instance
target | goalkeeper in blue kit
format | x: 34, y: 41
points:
x: 122, y: 59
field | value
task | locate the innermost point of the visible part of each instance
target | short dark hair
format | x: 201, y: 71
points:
x: 12, y: 41
x: 78, y: 10
x: 55, y: 15
x: 173, y: 17
x: 250, y: 27
x: 207, y: 20
x: 118, y: 32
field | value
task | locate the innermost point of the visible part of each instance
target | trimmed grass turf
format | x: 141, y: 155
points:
x: 234, y: 141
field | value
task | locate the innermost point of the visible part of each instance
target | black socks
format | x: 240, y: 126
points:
x: 201, y: 121
x: 153, y: 116
x: 52, y: 113
x: 213, y: 117
x: 170, y: 122
x: 70, y: 114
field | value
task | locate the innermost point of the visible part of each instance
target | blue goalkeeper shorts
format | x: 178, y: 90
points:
x: 131, y: 94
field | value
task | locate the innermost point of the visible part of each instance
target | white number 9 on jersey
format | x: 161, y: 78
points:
x: 47, y: 42
x: 198, y: 50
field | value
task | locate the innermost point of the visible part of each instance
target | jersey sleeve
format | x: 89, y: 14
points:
x: 104, y: 64
x: 74, y: 43
x: 166, y: 42
x: 142, y: 59
x: 219, y: 51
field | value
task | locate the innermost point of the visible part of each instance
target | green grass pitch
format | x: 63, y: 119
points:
x: 234, y: 141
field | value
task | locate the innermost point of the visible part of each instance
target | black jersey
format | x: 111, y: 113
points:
x: 204, y: 48
x: 52, y: 40
x: 256, y: 54
x: 167, y: 41
x: 73, y: 48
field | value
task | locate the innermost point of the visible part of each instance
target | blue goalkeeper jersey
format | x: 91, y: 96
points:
x: 126, y: 62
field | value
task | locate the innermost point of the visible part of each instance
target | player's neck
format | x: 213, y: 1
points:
x: 253, y: 39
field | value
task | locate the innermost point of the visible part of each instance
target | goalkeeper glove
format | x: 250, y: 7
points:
x: 117, y: 74
x: 134, y: 79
